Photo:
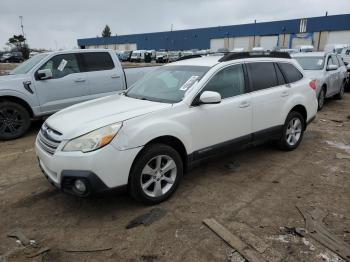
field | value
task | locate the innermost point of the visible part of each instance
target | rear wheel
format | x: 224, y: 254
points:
x: 14, y: 120
x: 156, y: 174
x: 321, y: 98
x: 293, y: 131
x: 340, y: 95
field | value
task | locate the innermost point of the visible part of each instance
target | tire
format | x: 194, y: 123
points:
x: 294, y: 126
x: 14, y: 120
x: 321, y: 99
x: 340, y: 95
x: 145, y: 178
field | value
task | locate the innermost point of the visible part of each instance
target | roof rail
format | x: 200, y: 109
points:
x: 188, y: 57
x: 241, y: 55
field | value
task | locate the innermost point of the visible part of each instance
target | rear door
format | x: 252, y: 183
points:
x: 101, y: 74
x: 269, y: 92
x: 65, y: 88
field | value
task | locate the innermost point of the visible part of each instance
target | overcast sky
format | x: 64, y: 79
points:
x: 58, y: 24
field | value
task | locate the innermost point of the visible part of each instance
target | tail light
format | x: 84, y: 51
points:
x: 313, y: 84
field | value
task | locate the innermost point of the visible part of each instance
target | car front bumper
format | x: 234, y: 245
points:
x: 102, y: 170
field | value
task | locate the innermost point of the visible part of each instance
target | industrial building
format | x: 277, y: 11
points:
x: 316, y: 31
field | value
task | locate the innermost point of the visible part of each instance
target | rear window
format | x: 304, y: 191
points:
x: 262, y: 75
x: 291, y: 73
x: 96, y: 61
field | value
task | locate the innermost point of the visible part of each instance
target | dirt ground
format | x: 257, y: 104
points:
x: 253, y: 193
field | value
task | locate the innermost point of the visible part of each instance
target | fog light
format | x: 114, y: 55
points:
x: 80, y: 185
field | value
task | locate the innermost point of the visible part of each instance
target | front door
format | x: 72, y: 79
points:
x: 222, y: 126
x: 66, y: 87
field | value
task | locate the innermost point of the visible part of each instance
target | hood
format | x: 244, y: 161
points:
x: 88, y: 116
x: 314, y: 74
x: 6, y: 79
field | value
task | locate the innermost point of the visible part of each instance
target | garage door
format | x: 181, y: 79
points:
x: 241, y: 42
x: 215, y: 44
x: 301, y: 39
x: 339, y: 37
x: 268, y: 42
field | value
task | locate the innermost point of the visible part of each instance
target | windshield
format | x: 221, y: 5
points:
x: 168, y: 84
x: 28, y: 65
x: 311, y: 63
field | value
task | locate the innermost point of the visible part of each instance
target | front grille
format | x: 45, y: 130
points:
x: 49, y: 139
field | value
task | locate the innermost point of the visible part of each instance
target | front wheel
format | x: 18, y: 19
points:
x: 156, y: 174
x: 14, y: 120
x: 293, y: 131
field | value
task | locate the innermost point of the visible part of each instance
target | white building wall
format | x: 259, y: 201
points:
x: 269, y: 42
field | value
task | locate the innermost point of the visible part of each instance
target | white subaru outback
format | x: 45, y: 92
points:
x: 184, y: 112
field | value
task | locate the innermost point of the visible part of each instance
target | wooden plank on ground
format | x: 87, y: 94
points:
x: 235, y: 242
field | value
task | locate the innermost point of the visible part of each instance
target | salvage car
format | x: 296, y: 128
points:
x: 12, y: 57
x: 328, y: 70
x: 179, y: 114
x: 49, y: 82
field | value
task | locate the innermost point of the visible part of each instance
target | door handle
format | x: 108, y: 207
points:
x: 244, y: 104
x: 115, y: 76
x: 284, y: 93
x: 79, y: 80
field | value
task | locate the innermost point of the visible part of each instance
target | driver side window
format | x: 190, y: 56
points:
x: 62, y: 65
x: 228, y: 82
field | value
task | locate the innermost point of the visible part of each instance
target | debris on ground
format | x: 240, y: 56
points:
x: 233, y: 166
x: 340, y: 145
x: 236, y: 243
x: 234, y: 256
x: 88, y: 250
x: 21, y: 238
x: 337, y: 121
x: 39, y: 252
x: 342, y: 156
x: 149, y: 258
x: 318, y: 231
x: 148, y: 218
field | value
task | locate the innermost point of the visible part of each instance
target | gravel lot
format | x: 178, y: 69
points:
x: 253, y: 193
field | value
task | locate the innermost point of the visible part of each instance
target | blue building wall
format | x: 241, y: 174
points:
x: 200, y: 38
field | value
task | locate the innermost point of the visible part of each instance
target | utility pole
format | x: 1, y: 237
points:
x: 21, y: 20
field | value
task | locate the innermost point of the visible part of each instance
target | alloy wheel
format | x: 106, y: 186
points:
x: 293, y: 132
x: 158, y: 176
x: 321, y: 99
x: 11, y: 121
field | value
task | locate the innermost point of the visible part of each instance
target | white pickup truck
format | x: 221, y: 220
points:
x: 49, y: 82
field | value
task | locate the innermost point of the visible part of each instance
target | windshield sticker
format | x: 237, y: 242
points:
x: 189, y: 83
x: 320, y: 62
x: 62, y: 65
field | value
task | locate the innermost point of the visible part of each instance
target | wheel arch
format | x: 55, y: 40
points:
x: 19, y: 101
x: 302, y: 110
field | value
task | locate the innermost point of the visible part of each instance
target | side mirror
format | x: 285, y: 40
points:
x: 210, y: 97
x: 332, y: 67
x: 44, y: 74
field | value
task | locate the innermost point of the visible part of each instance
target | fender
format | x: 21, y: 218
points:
x: 30, y: 99
x: 139, y: 131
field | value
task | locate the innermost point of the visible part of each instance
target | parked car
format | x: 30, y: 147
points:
x: 12, y: 57
x: 329, y: 71
x: 49, y: 82
x: 174, y: 55
x: 335, y: 48
x: 345, y: 54
x: 138, y: 56
x: 162, y: 57
x: 289, y: 50
x: 305, y: 48
x: 181, y: 113
x: 125, y: 56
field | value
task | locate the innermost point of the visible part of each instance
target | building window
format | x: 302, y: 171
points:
x: 303, y: 25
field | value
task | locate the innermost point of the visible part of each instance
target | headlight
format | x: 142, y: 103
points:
x: 93, y: 140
